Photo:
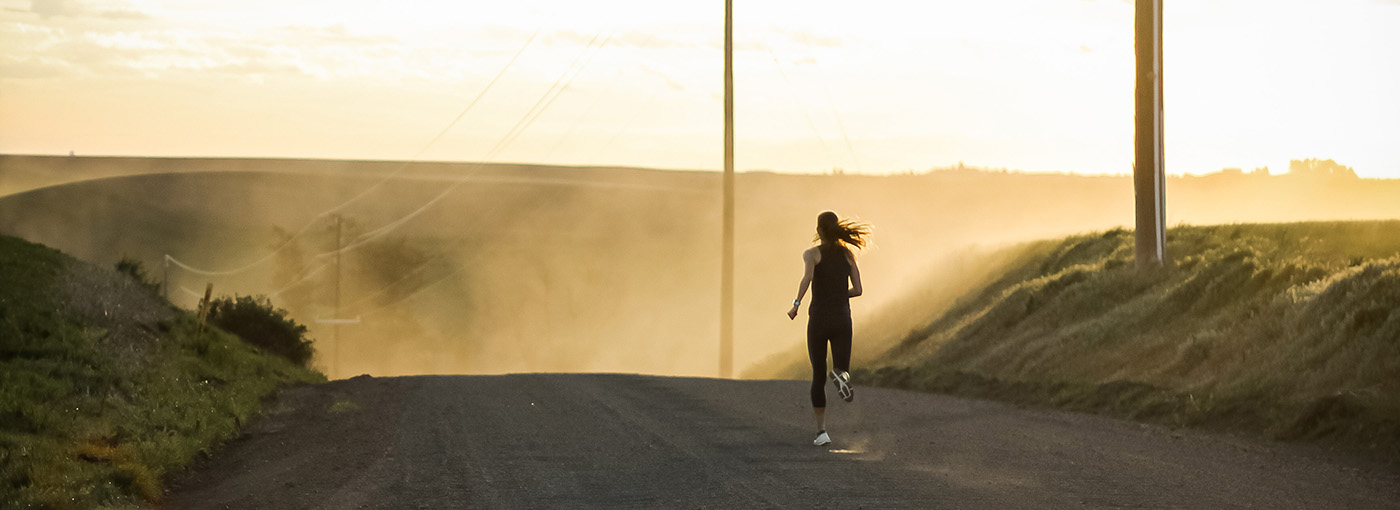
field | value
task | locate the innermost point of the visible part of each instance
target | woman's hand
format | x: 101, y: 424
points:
x: 792, y: 314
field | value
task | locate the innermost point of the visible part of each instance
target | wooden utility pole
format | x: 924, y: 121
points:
x: 165, y: 279
x: 333, y: 370
x: 204, y: 306
x: 1149, y: 166
x: 726, y: 286
x: 335, y: 328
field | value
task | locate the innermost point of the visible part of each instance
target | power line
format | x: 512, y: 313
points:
x: 533, y: 114
x: 189, y: 292
x: 304, y: 277
x: 587, y: 115
x: 385, y: 290
x: 402, y: 166
x: 554, y: 91
x: 474, y: 101
x: 821, y: 79
x: 416, y: 292
x: 644, y: 107
x: 410, y: 295
x: 560, y: 85
x: 798, y: 99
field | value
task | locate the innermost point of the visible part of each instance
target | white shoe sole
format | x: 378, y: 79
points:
x: 843, y: 385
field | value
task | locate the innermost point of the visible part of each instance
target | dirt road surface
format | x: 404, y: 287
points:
x: 627, y: 441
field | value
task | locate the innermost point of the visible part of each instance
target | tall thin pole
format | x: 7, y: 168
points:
x: 335, y: 328
x: 726, y: 287
x: 1149, y: 165
x: 165, y: 279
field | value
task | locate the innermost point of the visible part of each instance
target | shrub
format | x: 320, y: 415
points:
x: 133, y: 268
x: 259, y: 323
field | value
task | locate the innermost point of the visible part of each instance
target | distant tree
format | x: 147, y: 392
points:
x: 1320, y: 169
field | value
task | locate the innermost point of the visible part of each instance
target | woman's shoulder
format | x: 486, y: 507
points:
x: 837, y: 248
x: 813, y: 252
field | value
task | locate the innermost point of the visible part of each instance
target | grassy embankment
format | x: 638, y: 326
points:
x: 105, y: 388
x: 1291, y: 331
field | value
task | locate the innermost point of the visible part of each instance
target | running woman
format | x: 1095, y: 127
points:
x: 827, y: 269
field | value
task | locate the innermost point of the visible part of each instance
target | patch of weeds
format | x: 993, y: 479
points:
x: 343, y: 406
x: 134, y: 269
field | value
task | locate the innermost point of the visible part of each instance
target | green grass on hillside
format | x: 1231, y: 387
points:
x: 1291, y: 330
x: 93, y: 418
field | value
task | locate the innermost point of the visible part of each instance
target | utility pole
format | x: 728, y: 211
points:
x: 165, y: 279
x: 335, y: 328
x: 726, y: 286
x: 334, y: 366
x: 1149, y: 166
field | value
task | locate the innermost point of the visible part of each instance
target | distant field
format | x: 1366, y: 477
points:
x: 23, y: 173
x: 532, y: 268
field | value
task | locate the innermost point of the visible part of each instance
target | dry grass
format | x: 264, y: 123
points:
x: 97, y: 406
x: 1290, y: 330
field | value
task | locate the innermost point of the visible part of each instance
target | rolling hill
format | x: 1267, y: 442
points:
x: 501, y: 268
x: 1287, y: 330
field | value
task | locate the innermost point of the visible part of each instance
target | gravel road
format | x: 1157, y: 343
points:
x: 628, y: 441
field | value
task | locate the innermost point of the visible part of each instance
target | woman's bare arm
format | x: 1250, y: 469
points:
x: 810, y: 258
x: 856, y: 289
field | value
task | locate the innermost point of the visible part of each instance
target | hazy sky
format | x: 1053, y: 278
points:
x: 872, y: 86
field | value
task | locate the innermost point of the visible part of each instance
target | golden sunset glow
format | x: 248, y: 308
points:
x: 875, y: 87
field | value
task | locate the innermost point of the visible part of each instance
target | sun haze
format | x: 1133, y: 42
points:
x: 874, y: 87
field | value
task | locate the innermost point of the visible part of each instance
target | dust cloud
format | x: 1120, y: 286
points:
x: 461, y: 268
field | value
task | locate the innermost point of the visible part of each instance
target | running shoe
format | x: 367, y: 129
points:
x: 822, y: 439
x: 842, y: 380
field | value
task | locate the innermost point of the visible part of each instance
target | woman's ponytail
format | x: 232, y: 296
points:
x: 830, y: 228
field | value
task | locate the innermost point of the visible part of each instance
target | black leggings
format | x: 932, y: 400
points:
x: 823, y: 328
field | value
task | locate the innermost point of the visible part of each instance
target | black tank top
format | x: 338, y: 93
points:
x: 829, y: 291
